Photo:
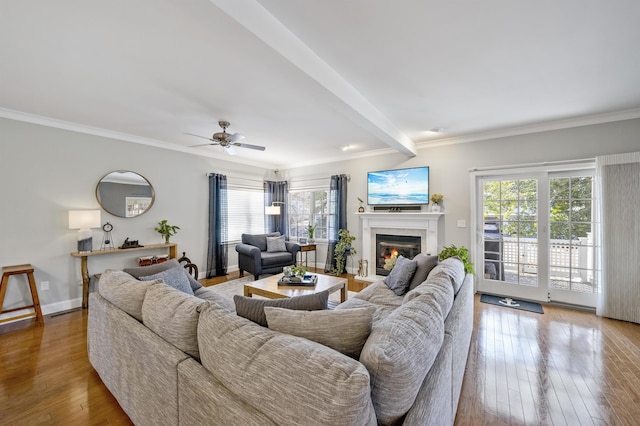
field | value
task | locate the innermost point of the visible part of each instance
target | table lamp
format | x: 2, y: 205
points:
x: 84, y: 220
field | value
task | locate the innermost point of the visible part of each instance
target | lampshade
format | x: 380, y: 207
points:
x: 272, y: 210
x: 84, y: 219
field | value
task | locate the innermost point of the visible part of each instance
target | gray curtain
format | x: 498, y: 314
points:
x: 217, y: 256
x: 337, y: 215
x: 619, y: 236
x: 277, y: 191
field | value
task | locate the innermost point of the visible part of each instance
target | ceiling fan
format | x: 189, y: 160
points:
x: 226, y: 140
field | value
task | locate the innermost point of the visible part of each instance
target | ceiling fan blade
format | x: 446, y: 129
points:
x: 246, y: 145
x: 202, y: 144
x: 198, y: 136
x: 235, y: 137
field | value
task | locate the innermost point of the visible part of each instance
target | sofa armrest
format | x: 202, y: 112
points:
x: 292, y: 248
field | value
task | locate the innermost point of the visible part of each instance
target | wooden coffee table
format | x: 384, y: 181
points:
x: 268, y: 287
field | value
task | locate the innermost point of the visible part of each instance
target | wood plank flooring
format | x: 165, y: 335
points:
x: 565, y: 367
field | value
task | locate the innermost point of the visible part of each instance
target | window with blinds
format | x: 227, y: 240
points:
x: 245, y: 212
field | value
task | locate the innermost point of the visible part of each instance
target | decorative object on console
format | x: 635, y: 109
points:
x: 107, y: 238
x: 84, y: 220
x: 437, y: 199
x: 130, y: 244
x: 152, y: 260
x: 166, y: 230
x: 342, y: 250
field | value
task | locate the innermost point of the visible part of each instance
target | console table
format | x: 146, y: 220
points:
x: 173, y: 250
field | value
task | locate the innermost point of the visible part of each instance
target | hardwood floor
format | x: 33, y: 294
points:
x: 563, y: 367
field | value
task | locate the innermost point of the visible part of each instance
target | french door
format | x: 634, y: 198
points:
x: 535, y: 236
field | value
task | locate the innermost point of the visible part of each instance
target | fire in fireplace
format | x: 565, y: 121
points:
x: 388, y: 246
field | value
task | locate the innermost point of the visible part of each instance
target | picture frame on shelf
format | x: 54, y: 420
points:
x: 302, y: 240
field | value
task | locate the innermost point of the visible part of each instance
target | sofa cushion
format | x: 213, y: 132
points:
x: 401, y: 274
x: 424, y: 265
x: 173, y: 315
x: 454, y: 269
x: 258, y: 240
x: 276, y: 244
x: 253, y: 309
x: 174, y: 277
x: 345, y: 330
x: 124, y: 291
x: 293, y: 381
x: 145, y: 271
x: 439, y: 287
x: 398, y: 355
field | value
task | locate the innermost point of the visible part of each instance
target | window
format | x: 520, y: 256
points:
x: 308, y: 207
x: 245, y: 212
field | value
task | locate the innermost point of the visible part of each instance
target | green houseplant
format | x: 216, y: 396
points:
x: 462, y: 253
x: 343, y: 247
x: 166, y: 230
x: 311, y: 230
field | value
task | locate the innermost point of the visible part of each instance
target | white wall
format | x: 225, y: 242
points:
x: 44, y: 172
x: 450, y: 165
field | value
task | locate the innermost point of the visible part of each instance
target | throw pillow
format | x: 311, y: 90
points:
x: 276, y: 244
x: 145, y: 271
x: 401, y: 274
x: 344, y: 330
x: 175, y: 277
x: 424, y: 265
x: 253, y: 309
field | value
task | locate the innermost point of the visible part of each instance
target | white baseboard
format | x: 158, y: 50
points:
x: 49, y: 309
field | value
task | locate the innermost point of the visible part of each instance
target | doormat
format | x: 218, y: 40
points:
x: 512, y: 303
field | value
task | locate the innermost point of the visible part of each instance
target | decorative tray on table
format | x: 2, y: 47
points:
x: 306, y: 280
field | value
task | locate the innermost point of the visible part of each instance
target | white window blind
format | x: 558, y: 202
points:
x: 245, y: 212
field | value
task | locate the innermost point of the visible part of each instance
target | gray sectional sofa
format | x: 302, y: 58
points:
x: 172, y: 358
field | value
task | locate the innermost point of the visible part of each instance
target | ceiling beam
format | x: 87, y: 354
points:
x: 256, y: 19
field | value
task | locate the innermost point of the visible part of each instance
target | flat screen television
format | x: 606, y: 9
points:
x: 400, y: 187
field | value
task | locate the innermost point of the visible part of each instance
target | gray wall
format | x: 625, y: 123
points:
x: 45, y: 172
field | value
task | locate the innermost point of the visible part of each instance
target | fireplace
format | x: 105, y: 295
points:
x: 388, y: 245
x: 421, y: 225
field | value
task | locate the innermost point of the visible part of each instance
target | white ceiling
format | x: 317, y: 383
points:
x: 306, y: 78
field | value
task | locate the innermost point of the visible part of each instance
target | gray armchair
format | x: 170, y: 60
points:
x: 253, y: 256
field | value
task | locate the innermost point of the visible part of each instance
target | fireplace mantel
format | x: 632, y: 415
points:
x: 424, y: 224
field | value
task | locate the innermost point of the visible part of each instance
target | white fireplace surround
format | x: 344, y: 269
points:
x: 422, y: 224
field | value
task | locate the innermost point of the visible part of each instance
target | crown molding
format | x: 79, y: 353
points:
x: 534, y: 128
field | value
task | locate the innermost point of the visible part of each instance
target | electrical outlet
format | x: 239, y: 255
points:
x: 44, y: 285
x: 462, y: 223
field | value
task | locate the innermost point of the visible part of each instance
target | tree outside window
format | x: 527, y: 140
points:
x: 308, y: 208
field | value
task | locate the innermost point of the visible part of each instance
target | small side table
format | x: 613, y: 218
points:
x: 27, y: 269
x: 306, y: 248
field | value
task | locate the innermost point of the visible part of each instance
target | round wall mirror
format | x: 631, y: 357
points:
x: 125, y: 194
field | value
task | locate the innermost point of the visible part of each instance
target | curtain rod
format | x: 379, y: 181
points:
x: 290, y: 180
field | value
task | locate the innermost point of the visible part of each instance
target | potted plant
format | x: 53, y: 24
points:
x: 462, y: 253
x: 342, y: 250
x: 361, y: 208
x: 437, y: 199
x: 166, y: 230
x: 311, y: 230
